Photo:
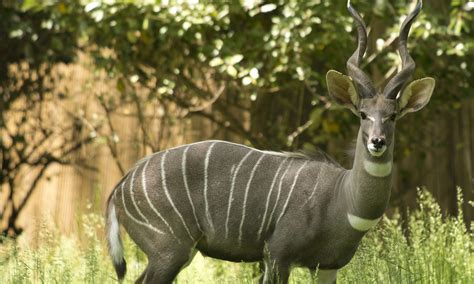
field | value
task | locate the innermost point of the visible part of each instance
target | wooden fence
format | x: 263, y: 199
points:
x: 68, y: 192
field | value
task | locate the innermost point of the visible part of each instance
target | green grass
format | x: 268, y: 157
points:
x: 426, y: 249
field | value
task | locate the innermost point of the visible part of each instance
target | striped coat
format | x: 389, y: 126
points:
x: 227, y: 201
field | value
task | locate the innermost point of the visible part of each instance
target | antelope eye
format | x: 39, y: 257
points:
x: 363, y: 115
x: 393, y: 117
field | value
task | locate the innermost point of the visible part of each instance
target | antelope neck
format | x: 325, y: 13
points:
x: 367, y: 185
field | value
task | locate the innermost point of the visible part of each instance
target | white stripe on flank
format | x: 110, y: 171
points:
x: 206, y: 203
x: 232, y: 192
x: 186, y: 186
x: 361, y: 224
x: 291, y: 191
x: 245, y: 198
x: 323, y: 167
x: 268, y: 199
x: 378, y: 169
x: 133, y: 218
x: 132, y: 196
x: 145, y: 191
x: 312, y: 193
x: 278, y: 195
x: 165, y: 188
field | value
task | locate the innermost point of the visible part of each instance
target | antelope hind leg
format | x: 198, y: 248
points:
x: 163, y: 268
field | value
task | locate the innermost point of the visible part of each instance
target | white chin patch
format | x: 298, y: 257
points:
x: 376, y: 152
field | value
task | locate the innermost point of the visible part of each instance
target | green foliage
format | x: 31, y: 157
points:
x: 39, y: 36
x: 427, y: 249
x: 270, y: 57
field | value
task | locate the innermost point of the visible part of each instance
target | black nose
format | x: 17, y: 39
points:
x: 378, y: 142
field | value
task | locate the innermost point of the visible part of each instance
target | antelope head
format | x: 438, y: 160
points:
x: 379, y: 109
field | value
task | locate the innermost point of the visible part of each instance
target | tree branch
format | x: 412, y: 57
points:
x: 112, y: 147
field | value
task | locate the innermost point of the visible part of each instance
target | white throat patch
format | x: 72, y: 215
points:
x: 378, y: 169
x: 361, y: 224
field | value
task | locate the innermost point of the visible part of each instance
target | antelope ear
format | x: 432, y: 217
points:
x: 342, y: 90
x: 415, y: 96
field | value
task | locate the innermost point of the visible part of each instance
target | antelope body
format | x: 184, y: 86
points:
x: 237, y: 203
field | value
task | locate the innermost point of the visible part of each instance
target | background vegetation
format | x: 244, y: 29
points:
x: 436, y: 250
x: 160, y: 73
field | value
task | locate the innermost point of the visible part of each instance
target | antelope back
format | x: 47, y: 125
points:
x: 229, y: 192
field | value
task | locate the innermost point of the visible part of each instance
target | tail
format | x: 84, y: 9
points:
x: 114, y: 241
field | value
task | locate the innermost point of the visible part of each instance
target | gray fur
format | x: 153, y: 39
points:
x: 312, y: 232
x: 237, y: 203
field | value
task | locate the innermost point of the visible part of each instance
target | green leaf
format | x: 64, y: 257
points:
x: 316, y: 117
x: 121, y: 86
x: 234, y: 59
x: 29, y: 5
x: 131, y: 36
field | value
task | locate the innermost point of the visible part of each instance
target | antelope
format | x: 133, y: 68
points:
x: 237, y: 203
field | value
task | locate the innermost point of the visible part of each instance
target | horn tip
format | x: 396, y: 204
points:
x: 419, y: 5
x: 348, y: 4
